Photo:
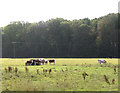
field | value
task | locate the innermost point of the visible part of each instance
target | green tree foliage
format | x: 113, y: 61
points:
x: 62, y: 38
x: 107, y: 34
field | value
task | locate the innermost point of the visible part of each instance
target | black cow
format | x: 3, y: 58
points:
x: 33, y: 62
x: 52, y: 61
x: 28, y: 63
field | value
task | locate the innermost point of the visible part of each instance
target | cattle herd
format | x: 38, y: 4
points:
x: 45, y: 61
x: 39, y: 62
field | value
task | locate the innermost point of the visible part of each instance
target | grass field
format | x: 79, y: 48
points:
x: 66, y: 75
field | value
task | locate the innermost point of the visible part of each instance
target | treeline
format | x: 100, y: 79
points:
x: 62, y: 38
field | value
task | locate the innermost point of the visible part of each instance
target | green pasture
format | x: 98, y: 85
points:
x: 59, y: 61
x: 66, y: 75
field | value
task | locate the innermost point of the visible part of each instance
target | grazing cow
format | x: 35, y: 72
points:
x: 101, y: 61
x: 28, y: 63
x: 52, y: 61
x: 37, y: 62
x: 33, y: 62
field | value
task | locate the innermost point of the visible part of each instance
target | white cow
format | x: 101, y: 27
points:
x: 101, y: 61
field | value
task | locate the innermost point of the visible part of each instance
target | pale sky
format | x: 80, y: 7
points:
x: 43, y: 10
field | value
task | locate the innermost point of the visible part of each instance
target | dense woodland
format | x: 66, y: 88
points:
x: 62, y: 38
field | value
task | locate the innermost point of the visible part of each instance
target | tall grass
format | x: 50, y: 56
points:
x: 59, y: 77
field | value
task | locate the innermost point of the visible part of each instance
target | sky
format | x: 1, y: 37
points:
x: 43, y: 10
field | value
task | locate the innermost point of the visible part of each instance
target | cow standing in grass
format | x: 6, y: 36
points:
x: 52, y: 61
x: 33, y: 62
x: 101, y: 61
x: 37, y: 62
x: 28, y: 63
